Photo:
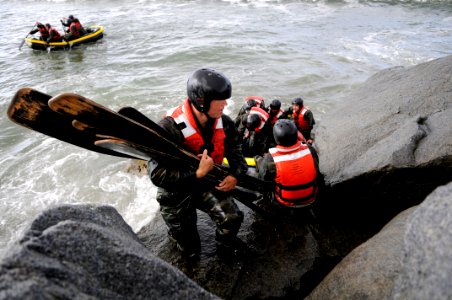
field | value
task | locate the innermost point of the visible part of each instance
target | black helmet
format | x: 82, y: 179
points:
x: 205, y: 85
x: 276, y: 104
x: 298, y: 101
x: 48, y: 25
x: 39, y: 24
x: 252, y: 122
x: 250, y: 103
x: 71, y: 17
x: 285, y: 132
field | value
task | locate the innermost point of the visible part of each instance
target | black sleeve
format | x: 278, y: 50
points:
x: 233, y: 148
x: 34, y: 31
x: 309, y: 116
x: 266, y: 167
x: 170, y: 175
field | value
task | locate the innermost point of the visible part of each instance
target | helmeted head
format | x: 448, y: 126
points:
x: 71, y: 17
x: 298, y: 101
x: 250, y: 103
x: 48, y: 26
x: 285, y: 132
x: 275, y: 104
x: 253, y: 121
x: 258, y: 99
x: 40, y: 25
x: 206, y: 85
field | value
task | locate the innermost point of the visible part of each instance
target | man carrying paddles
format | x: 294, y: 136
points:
x: 200, y: 126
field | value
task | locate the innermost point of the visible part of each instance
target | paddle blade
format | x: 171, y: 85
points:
x: 29, y: 109
x: 21, y: 44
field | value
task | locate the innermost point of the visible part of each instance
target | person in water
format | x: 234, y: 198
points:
x: 200, y: 126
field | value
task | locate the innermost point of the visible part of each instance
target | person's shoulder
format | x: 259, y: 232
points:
x: 226, y: 119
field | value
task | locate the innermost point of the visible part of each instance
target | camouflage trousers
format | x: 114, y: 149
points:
x: 179, y: 213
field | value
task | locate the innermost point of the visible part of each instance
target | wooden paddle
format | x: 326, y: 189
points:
x: 113, y: 124
x: 29, y: 108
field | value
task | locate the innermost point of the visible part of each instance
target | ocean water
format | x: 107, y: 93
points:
x: 319, y: 50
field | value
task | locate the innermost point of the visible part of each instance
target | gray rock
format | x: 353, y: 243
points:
x: 370, y: 270
x: 427, y: 253
x: 398, y: 118
x: 87, y: 252
x: 389, y: 144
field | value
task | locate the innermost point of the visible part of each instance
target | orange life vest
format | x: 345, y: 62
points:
x: 184, y: 118
x: 295, y: 175
x: 263, y: 115
x: 299, y: 120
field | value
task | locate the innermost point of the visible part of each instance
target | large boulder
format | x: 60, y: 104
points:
x: 389, y: 143
x: 426, y: 266
x: 408, y: 259
x: 370, y: 270
x: 87, y: 252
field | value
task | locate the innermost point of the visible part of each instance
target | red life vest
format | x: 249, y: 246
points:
x: 299, y: 120
x: 56, y: 34
x: 295, y: 175
x: 183, y: 116
x: 77, y: 26
x: 44, y: 33
x: 259, y: 100
x: 263, y: 115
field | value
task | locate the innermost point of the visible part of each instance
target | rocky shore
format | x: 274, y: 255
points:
x: 382, y: 229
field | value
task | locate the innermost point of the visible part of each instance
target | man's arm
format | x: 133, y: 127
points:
x: 172, y: 176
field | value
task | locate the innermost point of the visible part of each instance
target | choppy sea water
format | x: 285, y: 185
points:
x: 319, y: 50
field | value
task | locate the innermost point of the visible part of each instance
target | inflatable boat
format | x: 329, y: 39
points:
x: 94, y: 34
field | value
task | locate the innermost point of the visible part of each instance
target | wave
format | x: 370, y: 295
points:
x: 259, y: 2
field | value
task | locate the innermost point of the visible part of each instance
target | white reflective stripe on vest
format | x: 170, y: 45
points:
x: 188, y: 130
x: 292, y: 156
x: 259, y: 113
